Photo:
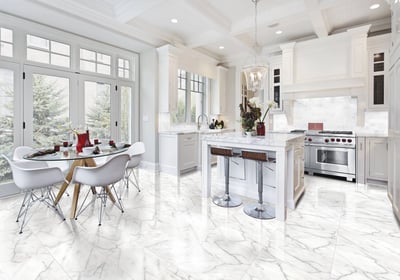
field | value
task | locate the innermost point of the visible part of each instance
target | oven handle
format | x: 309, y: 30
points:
x: 331, y: 147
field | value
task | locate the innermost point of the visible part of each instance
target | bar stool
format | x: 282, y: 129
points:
x: 225, y: 200
x: 259, y: 210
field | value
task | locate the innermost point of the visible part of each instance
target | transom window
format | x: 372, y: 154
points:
x: 46, y: 51
x: 6, y: 42
x: 192, y: 97
x: 123, y: 68
x: 97, y: 62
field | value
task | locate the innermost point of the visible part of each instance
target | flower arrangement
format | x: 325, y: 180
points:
x: 251, y: 112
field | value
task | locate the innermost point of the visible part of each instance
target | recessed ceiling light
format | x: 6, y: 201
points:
x: 174, y: 20
x: 374, y: 6
x: 278, y: 32
x: 221, y: 47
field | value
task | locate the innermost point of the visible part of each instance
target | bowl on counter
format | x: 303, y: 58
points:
x: 88, y: 150
x: 119, y: 145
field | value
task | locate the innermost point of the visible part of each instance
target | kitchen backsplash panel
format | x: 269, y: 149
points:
x: 337, y: 113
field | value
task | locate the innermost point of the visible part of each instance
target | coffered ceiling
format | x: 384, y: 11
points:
x: 204, y: 25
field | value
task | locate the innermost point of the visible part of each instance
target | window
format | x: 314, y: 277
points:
x: 92, y: 61
x: 191, y: 97
x: 46, y: 51
x: 6, y: 42
x: 123, y: 68
x: 276, y: 86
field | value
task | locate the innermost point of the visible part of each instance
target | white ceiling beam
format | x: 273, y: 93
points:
x: 130, y: 9
x: 317, y: 18
x: 73, y: 8
x: 219, y: 21
x: 267, y: 17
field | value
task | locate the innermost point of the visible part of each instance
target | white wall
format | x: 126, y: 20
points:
x: 337, y: 113
x: 149, y: 105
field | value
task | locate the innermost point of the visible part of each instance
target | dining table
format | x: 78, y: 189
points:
x: 75, y: 159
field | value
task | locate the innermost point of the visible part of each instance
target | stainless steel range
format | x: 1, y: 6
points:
x: 331, y: 153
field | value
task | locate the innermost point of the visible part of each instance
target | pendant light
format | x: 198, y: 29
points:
x: 255, y: 74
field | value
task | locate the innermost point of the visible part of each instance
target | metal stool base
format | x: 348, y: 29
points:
x: 260, y: 211
x: 227, y: 201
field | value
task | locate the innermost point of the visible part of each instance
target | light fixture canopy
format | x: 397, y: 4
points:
x: 255, y: 74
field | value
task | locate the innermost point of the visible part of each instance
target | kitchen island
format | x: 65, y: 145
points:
x: 288, y: 172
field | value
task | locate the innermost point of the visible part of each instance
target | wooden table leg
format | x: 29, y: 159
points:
x: 68, y: 178
x: 75, y: 200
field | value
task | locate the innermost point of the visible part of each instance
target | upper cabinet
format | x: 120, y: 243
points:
x: 275, y: 65
x: 218, y: 92
x: 378, y: 65
x: 167, y: 78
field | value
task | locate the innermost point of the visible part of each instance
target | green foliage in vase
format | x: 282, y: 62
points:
x: 249, y: 114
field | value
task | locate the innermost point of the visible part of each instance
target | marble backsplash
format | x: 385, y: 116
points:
x: 337, y: 113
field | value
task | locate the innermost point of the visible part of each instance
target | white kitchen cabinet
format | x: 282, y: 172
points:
x: 372, y: 160
x: 178, y: 152
x: 218, y: 92
x: 378, y: 64
x: 377, y: 157
x: 167, y: 78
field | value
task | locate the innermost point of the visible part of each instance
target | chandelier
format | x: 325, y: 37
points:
x: 255, y: 74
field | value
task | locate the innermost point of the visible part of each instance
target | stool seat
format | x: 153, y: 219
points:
x: 259, y: 210
x: 225, y: 200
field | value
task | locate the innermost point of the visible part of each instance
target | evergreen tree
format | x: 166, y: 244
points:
x: 50, y: 112
x: 6, y: 129
x: 99, y: 116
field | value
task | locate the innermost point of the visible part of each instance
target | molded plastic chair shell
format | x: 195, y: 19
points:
x: 27, y: 176
x: 109, y: 173
x: 101, y: 176
x: 135, y: 152
x: 21, y: 151
x: 30, y: 178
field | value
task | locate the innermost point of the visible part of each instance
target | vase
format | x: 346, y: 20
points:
x: 82, y: 138
x: 260, y: 128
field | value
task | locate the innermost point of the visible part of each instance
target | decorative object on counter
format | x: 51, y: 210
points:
x: 251, y: 112
x: 212, y: 125
x: 219, y: 125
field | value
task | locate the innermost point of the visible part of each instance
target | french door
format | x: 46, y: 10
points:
x: 10, y: 116
x: 48, y: 106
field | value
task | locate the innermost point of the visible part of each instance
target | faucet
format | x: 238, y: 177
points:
x: 202, y: 119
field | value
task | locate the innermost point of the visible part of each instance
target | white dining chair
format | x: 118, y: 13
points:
x: 21, y: 151
x: 36, y: 183
x: 101, y: 176
x: 135, y: 152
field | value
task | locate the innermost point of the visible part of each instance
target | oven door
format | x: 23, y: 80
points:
x: 341, y: 160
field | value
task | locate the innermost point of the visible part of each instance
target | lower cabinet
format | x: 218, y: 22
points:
x: 178, y: 152
x: 372, y: 160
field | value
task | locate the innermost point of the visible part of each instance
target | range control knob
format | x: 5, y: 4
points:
x: 343, y: 140
x: 326, y: 140
x: 309, y: 139
x: 337, y: 139
x: 349, y: 140
x: 332, y: 139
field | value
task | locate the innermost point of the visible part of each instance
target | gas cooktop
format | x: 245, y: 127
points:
x: 345, y: 132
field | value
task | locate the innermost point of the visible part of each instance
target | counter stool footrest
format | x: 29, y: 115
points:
x: 260, y: 211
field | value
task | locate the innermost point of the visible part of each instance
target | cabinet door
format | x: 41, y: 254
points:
x: 377, y: 158
x: 360, y: 155
x: 187, y: 151
x: 298, y: 179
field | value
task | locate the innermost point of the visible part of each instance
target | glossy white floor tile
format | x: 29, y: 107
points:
x: 338, y: 231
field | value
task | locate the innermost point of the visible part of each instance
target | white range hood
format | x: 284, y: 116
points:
x: 326, y: 67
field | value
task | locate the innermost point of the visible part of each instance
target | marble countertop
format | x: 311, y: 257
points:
x: 270, y: 139
x: 371, y: 134
x: 201, y: 131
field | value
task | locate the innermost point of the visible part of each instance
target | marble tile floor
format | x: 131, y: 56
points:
x: 338, y: 231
